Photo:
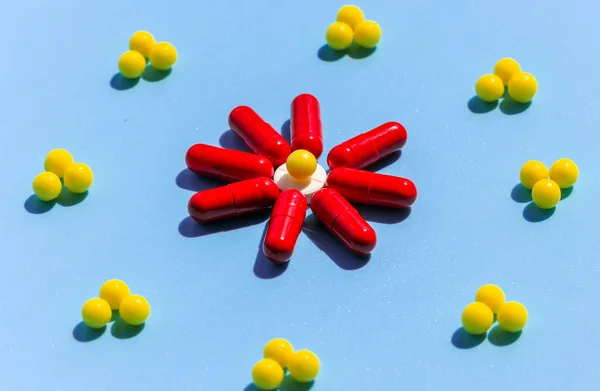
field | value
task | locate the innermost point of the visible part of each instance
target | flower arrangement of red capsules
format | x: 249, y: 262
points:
x: 288, y: 179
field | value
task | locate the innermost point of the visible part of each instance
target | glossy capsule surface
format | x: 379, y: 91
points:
x: 306, y: 130
x: 235, y: 199
x: 258, y: 135
x: 343, y: 221
x: 367, y: 148
x: 371, y: 188
x: 285, y: 225
x: 227, y: 164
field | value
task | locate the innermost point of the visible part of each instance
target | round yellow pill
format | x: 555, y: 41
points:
x: 134, y: 310
x: 522, y: 87
x: 301, y: 164
x: 163, y: 56
x: 367, y: 34
x: 142, y: 42
x: 531, y: 172
x: 78, y: 177
x: 304, y: 366
x: 564, y: 172
x: 506, y: 68
x: 47, y: 186
x: 114, y: 291
x: 512, y: 317
x: 339, y: 36
x: 489, y: 88
x: 546, y: 194
x: 279, y: 350
x: 267, y: 374
x: 351, y: 15
x: 96, y: 313
x: 477, y: 318
x: 132, y: 64
x: 490, y: 295
x: 57, y: 161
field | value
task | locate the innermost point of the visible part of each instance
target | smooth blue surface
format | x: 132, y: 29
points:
x: 386, y: 324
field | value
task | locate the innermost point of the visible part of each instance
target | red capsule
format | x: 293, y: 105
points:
x: 285, y: 225
x: 305, y: 125
x: 258, y: 135
x: 367, y: 148
x: 343, y: 221
x: 365, y: 187
x: 227, y: 164
x: 235, y: 199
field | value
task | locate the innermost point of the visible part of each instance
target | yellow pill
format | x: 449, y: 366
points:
x: 142, y: 42
x: 134, y: 310
x: 279, y: 350
x: 490, y: 295
x: 304, y: 366
x: 531, y: 172
x: 477, y: 318
x: 351, y: 15
x: 96, y: 313
x: 267, y: 374
x: 47, y: 186
x: 512, y: 317
x: 78, y: 177
x: 546, y: 194
x: 301, y: 164
x: 367, y: 34
x: 132, y: 64
x: 57, y: 161
x: 564, y: 172
x: 489, y: 88
x: 506, y: 68
x: 163, y: 56
x: 339, y: 36
x: 522, y: 87
x: 114, y: 291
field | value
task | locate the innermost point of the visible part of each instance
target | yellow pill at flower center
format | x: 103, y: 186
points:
x: 301, y: 164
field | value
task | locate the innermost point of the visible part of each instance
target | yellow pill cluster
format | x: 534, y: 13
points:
x: 351, y: 26
x: 546, y: 185
x: 478, y: 317
x: 59, y: 164
x: 115, y: 295
x: 268, y: 373
x: 142, y: 46
x: 522, y: 86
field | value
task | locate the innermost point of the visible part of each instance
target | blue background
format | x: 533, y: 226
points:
x: 388, y: 323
